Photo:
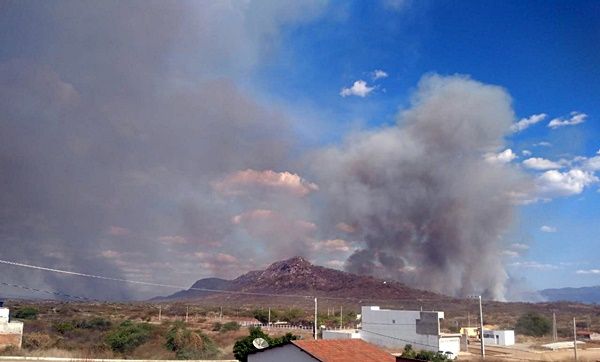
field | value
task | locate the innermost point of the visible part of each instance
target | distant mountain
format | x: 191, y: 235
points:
x: 590, y: 295
x: 298, y: 277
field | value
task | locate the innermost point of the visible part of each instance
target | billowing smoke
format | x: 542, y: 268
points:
x: 428, y: 208
x: 133, y: 146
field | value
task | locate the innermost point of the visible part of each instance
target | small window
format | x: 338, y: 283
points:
x: 394, y: 321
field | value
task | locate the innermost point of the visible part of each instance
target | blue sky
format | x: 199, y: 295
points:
x: 544, y: 54
x: 168, y: 141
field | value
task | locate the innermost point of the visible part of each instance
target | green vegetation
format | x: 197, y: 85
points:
x: 26, y: 313
x: 533, y: 324
x: 127, y: 336
x: 244, y: 346
x: 409, y: 352
x: 189, y: 344
x: 230, y: 326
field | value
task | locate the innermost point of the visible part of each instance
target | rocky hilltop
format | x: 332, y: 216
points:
x: 297, y: 276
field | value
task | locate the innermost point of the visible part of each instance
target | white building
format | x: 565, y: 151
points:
x: 11, y: 333
x: 397, y: 328
x: 499, y: 338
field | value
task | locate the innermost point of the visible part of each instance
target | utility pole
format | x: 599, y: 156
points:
x: 341, y: 316
x: 159, y: 313
x: 221, y: 314
x: 575, y: 339
x: 553, y: 327
x: 187, y: 311
x: 269, y: 325
x: 316, y: 318
x: 468, y: 319
x: 481, y: 325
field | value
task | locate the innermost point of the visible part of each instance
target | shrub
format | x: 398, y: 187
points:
x: 409, y: 352
x: 533, y: 324
x: 94, y: 323
x: 37, y: 341
x: 190, y: 344
x: 244, y: 346
x: 230, y: 326
x: 26, y: 313
x: 217, y: 326
x: 63, y: 327
x: 127, y: 336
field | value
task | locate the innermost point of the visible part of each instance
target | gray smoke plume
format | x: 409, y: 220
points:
x: 430, y: 209
x: 115, y: 117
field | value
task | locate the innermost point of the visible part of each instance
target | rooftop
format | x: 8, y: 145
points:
x: 341, y: 350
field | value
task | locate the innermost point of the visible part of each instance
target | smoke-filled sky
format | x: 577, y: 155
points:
x: 452, y: 146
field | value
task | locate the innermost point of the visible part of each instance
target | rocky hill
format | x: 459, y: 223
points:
x: 298, y: 277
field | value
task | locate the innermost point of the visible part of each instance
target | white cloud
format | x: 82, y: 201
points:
x: 519, y: 246
x: 359, y: 89
x: 378, y: 74
x: 533, y: 265
x: 588, y: 271
x: 555, y: 183
x: 526, y: 153
x: 526, y: 122
x: 548, y: 229
x: 248, y: 181
x: 592, y: 164
x: 542, y: 144
x: 576, y: 118
x: 332, y: 245
x: 538, y: 163
x: 503, y: 157
x: 510, y: 253
x: 598, y: 152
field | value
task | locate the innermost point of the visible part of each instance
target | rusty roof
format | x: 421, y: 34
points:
x: 342, y: 350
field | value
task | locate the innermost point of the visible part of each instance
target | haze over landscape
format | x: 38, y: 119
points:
x: 426, y: 143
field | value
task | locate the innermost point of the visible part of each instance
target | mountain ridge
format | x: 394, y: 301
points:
x: 298, y: 277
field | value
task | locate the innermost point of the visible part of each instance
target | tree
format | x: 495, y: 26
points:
x: 533, y: 324
x: 243, y: 346
x: 26, y: 313
x: 127, y: 336
x: 189, y: 344
x: 409, y: 352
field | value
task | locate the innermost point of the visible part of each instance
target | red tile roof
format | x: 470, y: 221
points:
x: 343, y: 350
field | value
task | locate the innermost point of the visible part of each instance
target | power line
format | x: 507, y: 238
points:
x: 180, y: 287
x: 52, y: 292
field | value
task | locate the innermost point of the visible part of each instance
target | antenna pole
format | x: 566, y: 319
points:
x: 187, y: 312
x: 575, y: 339
x: 481, y: 325
x: 553, y: 326
x: 269, y: 325
x: 341, y: 316
x: 316, y: 318
x: 159, y: 313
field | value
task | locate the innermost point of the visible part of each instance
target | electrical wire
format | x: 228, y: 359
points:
x: 180, y: 287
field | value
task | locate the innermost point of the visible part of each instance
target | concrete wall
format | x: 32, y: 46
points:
x: 450, y: 344
x: 397, y: 328
x: 287, y: 353
x: 341, y: 334
x: 4, y: 315
x: 499, y: 338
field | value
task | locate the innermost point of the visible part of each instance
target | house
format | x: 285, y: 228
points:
x: 499, y: 337
x: 11, y: 332
x: 342, y: 350
x: 396, y: 328
x: 471, y: 332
